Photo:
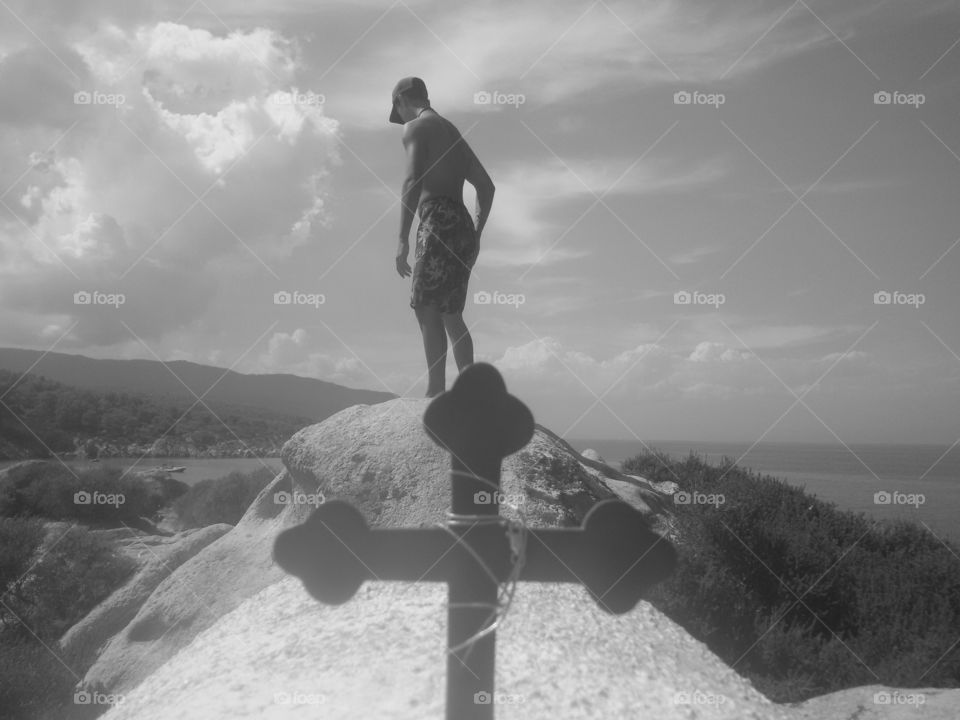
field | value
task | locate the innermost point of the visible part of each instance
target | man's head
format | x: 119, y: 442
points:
x: 409, y: 96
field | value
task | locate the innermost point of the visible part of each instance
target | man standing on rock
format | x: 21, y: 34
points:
x: 438, y: 162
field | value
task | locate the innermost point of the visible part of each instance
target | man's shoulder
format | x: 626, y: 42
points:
x: 418, y: 128
x: 428, y: 124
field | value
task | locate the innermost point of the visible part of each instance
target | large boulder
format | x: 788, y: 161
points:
x: 383, y: 655
x: 378, y: 458
x: 228, y: 635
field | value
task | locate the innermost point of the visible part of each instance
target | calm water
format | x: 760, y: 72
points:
x: 848, y: 477
x: 197, y: 469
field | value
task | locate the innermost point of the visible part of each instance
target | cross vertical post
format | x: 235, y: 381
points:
x: 470, y: 666
x: 479, y: 426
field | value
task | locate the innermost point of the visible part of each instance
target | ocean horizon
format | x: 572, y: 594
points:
x: 922, y: 481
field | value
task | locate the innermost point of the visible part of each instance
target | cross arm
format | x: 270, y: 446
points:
x: 613, y: 554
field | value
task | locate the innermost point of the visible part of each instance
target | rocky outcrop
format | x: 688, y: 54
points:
x: 382, y: 655
x: 157, y: 557
x: 228, y: 635
x: 379, y: 459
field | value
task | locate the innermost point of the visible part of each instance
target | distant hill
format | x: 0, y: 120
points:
x: 279, y: 393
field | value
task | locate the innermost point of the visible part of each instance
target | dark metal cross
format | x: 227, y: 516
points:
x: 613, y: 553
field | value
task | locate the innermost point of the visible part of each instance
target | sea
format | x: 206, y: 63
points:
x: 920, y: 483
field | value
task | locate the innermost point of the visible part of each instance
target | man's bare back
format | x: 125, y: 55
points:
x: 448, y: 157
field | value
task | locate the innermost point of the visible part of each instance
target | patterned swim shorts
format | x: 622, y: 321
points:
x: 446, y: 244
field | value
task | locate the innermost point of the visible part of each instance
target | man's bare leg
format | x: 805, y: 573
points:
x: 434, y: 346
x: 460, y: 337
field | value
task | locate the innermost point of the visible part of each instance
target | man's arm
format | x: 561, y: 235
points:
x: 477, y: 176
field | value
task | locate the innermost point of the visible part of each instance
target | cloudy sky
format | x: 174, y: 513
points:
x: 197, y: 158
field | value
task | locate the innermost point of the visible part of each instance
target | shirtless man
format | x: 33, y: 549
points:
x: 438, y: 161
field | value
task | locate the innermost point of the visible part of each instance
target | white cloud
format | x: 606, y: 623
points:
x: 549, y: 51
x: 530, y: 193
x: 707, y: 351
x: 112, y: 199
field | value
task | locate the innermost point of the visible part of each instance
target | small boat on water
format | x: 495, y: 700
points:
x: 171, y: 468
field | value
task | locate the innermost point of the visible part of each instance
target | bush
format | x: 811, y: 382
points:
x: 45, y: 592
x: 875, y: 597
x: 223, y: 500
x: 34, y: 684
x: 47, y: 587
x: 52, y: 491
x: 19, y: 540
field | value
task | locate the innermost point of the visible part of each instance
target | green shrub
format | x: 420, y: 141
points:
x: 46, y: 588
x: 66, y: 580
x: 879, y: 603
x: 223, y: 500
x: 19, y: 540
x: 34, y: 684
x: 52, y: 491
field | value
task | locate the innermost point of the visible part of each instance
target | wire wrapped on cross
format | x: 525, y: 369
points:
x: 477, y: 552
